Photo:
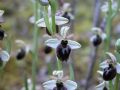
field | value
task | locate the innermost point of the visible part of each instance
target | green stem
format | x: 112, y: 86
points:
x: 71, y: 71
x: 8, y: 44
x: 110, y: 85
x: 26, y: 83
x: 35, y: 47
x: 108, y: 32
x: 49, y: 69
x: 59, y: 64
x: 108, y: 26
x: 53, y: 23
x: 116, y: 86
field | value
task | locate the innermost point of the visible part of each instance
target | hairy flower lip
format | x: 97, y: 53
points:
x: 96, y: 40
x: 109, y: 73
x: 21, y: 54
x: 63, y: 52
x: 2, y: 34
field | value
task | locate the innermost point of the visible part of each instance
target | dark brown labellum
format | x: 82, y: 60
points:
x: 105, y: 88
x: 97, y: 40
x: 109, y: 73
x: 57, y: 30
x: 47, y: 49
x: 21, y: 54
x: 63, y: 50
x: 65, y: 15
x: 2, y: 34
x: 60, y: 86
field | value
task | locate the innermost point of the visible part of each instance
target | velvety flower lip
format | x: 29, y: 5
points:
x: 51, y: 84
x: 54, y: 42
x: 21, y: 54
x: 112, y: 59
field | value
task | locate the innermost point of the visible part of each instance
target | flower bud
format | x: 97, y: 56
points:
x: 117, y: 45
x: 109, y: 73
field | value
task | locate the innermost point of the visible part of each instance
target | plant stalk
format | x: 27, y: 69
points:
x: 59, y: 64
x: 108, y: 27
x: 72, y: 77
x: 116, y: 86
x: 26, y: 83
x: 35, y: 47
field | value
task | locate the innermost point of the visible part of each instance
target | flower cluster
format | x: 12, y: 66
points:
x: 57, y: 26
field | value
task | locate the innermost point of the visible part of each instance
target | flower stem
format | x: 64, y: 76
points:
x: 71, y: 71
x: 108, y: 26
x: 26, y: 83
x: 53, y: 23
x: 49, y: 68
x: 116, y: 86
x: 59, y: 65
x: 35, y: 47
x: 108, y: 32
x: 110, y: 85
